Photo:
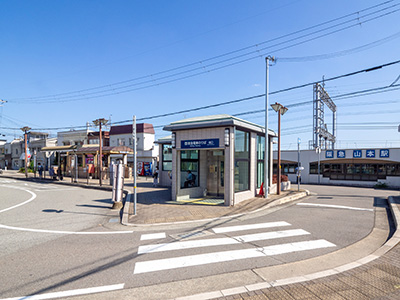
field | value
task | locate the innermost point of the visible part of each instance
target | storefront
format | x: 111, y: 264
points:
x: 83, y: 162
x: 358, y: 167
x: 217, y: 156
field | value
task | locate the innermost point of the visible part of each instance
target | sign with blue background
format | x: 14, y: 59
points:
x: 370, y: 153
x: 329, y: 154
x: 357, y: 153
x: 341, y: 154
x: 199, y: 144
x: 384, y: 153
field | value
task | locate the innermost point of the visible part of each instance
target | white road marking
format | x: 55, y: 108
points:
x: 152, y: 236
x: 23, y: 203
x: 44, y: 230
x: 99, y: 289
x: 62, y: 232
x: 251, y: 226
x: 220, y: 241
x: 223, y: 256
x: 334, y: 206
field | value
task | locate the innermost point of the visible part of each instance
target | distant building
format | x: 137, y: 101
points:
x: 17, y: 151
x: 147, y: 151
x: 355, y: 167
x: 12, y: 154
x: 74, y: 137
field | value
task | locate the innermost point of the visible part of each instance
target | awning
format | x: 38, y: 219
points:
x: 60, y: 148
x: 105, y: 150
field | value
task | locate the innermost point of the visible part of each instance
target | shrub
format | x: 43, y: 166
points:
x: 381, y: 185
x: 284, y: 178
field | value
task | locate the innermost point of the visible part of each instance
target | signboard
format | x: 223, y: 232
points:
x: 370, y: 153
x: 329, y: 154
x: 384, y: 153
x: 90, y: 168
x: 200, y: 144
x: 341, y: 154
x: 357, y: 153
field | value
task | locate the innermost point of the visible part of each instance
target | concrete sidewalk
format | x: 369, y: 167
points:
x: 154, y: 206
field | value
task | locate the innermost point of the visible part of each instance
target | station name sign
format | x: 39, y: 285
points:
x: 199, y: 144
x: 369, y: 153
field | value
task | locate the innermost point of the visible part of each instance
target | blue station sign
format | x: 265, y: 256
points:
x: 200, y: 144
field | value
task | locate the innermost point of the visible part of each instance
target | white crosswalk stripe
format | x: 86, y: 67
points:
x: 250, y: 226
x: 152, y: 236
x: 170, y: 249
x: 220, y: 241
x: 223, y: 256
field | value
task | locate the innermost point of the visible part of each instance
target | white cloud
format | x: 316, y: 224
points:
x: 256, y: 85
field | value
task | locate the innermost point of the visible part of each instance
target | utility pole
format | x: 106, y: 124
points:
x: 25, y: 130
x: 100, y: 122
x: 266, y: 145
x: 298, y: 164
x: 134, y: 164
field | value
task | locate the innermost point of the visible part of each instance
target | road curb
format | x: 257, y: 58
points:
x: 277, y: 202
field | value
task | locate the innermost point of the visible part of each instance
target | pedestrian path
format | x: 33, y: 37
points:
x: 174, y: 254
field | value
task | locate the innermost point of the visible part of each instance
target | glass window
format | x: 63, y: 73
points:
x: 189, y: 168
x: 242, y: 145
x: 167, y: 157
x: 260, y: 173
x: 260, y: 160
x: 242, y: 161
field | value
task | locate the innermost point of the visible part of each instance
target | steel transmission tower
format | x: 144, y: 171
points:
x: 322, y: 138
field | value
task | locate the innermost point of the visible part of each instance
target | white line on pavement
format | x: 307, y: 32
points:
x: 27, y: 201
x: 250, y: 226
x: 220, y: 241
x: 335, y: 206
x: 62, y: 232
x: 99, y: 289
x: 223, y: 256
x: 152, y: 236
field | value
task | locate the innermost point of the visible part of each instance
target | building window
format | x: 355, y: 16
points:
x: 242, y: 161
x: 120, y: 142
x: 359, y: 172
x: 94, y: 141
x: 167, y: 157
x: 189, y: 162
x: 260, y: 160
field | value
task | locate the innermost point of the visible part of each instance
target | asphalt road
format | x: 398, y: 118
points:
x: 61, y: 239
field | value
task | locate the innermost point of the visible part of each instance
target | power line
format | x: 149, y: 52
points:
x: 254, y: 97
x: 111, y: 90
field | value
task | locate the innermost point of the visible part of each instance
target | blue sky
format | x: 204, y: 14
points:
x: 69, y: 48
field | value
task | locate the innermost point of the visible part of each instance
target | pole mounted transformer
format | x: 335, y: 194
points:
x: 321, y: 135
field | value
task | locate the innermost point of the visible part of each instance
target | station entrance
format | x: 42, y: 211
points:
x: 215, y: 176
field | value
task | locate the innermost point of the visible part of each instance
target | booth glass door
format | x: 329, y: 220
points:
x: 215, y: 178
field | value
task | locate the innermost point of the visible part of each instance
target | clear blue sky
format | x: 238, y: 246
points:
x: 58, y: 47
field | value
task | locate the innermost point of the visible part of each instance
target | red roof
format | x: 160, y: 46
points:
x: 124, y: 129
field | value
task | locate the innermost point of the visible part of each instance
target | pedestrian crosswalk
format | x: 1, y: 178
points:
x: 177, y: 254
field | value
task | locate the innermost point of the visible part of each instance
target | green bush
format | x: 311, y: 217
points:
x: 22, y: 170
x: 381, y: 185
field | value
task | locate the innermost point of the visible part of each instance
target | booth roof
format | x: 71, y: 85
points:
x: 106, y: 149
x: 60, y: 148
x: 216, y: 121
x: 164, y: 140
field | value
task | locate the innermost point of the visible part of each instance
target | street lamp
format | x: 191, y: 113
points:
x: 281, y: 110
x: 26, y: 130
x: 100, y: 122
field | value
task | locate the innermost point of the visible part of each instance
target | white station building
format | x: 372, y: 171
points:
x: 224, y: 153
